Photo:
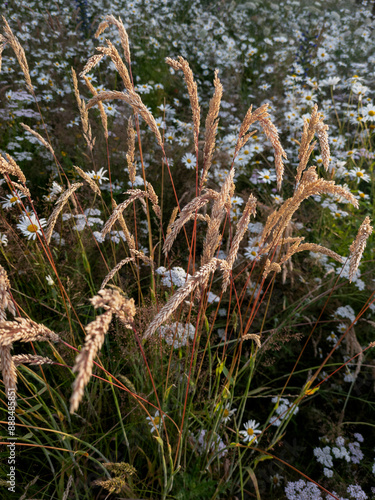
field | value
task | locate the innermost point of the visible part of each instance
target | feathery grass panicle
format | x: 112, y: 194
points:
x: 9, y: 363
x: 113, y: 303
x: 24, y: 330
x: 358, y: 246
x: 112, y: 52
x: 93, y: 185
x: 135, y: 194
x: 67, y: 489
x: 114, y: 270
x: 31, y: 359
x: 321, y: 131
x: 186, y: 214
x: 212, y: 122
x: 130, y: 154
x: 154, y: 200
x: 270, y: 267
x: 128, y: 236
x: 22, y: 188
x: 110, y: 19
x: 8, y: 368
x: 249, y: 210
x: 252, y: 336
x: 19, y: 52
x: 140, y: 255
x: 310, y: 185
x: 94, y: 340
x: 59, y: 205
x: 2, y: 47
x: 312, y: 126
x: 272, y: 134
x: 171, y: 221
x: 10, y: 167
x: 91, y: 63
x: 40, y: 138
x: 250, y: 118
x: 311, y: 247
x: 6, y: 301
x: 261, y: 115
x: 200, y: 277
x: 83, y: 111
x: 354, y: 347
x: 103, y: 115
x: 134, y: 100
x: 220, y: 206
x: 101, y: 28
x: 113, y: 485
x: 192, y: 88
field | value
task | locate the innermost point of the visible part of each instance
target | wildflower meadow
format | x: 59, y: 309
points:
x: 187, y: 284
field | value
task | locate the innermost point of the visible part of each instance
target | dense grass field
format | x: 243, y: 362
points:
x: 187, y: 285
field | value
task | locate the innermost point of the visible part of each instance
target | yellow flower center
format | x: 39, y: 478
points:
x: 156, y: 421
x: 308, y: 98
x: 250, y: 431
x: 362, y: 195
x: 13, y: 199
x: 371, y: 113
x: 225, y: 413
x: 266, y: 176
x: 32, y: 228
x: 359, y: 174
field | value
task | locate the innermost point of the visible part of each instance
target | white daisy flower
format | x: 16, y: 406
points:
x: 155, y: 421
x: 30, y: 226
x: 189, y: 160
x: 98, y: 176
x: 266, y: 176
x: 359, y: 174
x: 109, y: 109
x: 250, y: 432
x: 12, y: 199
x: 49, y: 280
x: 3, y: 240
x: 227, y: 413
x: 369, y: 113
